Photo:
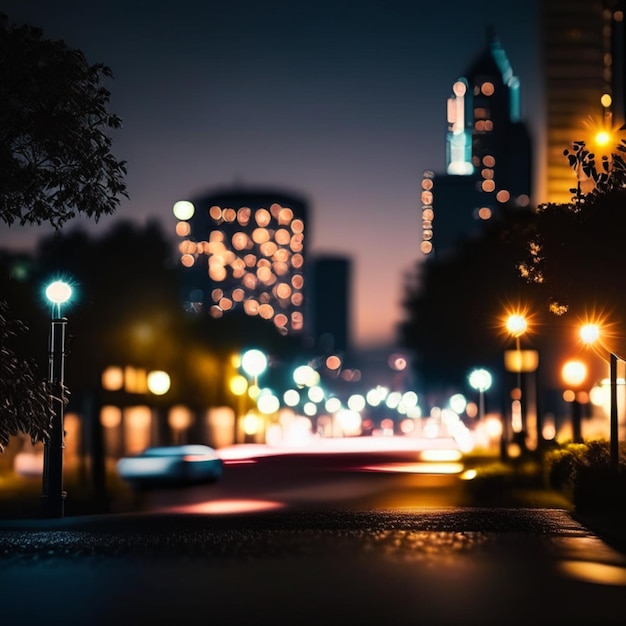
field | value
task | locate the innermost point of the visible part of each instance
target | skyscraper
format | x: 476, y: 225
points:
x: 329, y: 297
x: 245, y: 249
x: 583, y: 62
x: 488, y: 153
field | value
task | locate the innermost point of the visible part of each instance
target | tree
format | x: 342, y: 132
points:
x: 454, y: 308
x: 24, y: 398
x: 55, y: 164
x: 574, y: 252
x: 55, y: 158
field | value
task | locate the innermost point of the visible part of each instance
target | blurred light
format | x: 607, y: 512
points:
x: 253, y: 362
x: 238, y: 385
x: 333, y: 405
x: 112, y: 378
x: 407, y: 426
x: 268, y: 403
x: 516, y: 324
x: 333, y: 362
x: 180, y: 417
x: 158, y: 382
x: 393, y: 399
x: 291, y: 397
x: 480, y: 379
x: 251, y: 424
x: 350, y: 422
x: 574, y: 373
x: 183, y: 210
x: 356, y: 402
x: 441, y: 455
x: 304, y: 375
x: 493, y: 426
x: 597, y: 573
x: 315, y: 393
x: 458, y: 402
x: 397, y: 362
x: 310, y: 408
x: 409, y: 399
x: 589, y: 333
x: 110, y: 416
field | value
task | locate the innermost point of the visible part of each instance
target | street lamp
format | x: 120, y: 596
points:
x: 480, y: 380
x: 53, y: 496
x: 574, y: 374
x: 590, y: 335
x: 253, y: 363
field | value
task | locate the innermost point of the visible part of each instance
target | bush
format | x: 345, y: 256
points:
x: 584, y: 472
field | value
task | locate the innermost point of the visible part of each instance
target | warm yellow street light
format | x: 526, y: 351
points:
x: 591, y: 334
x: 574, y: 374
x: 517, y: 325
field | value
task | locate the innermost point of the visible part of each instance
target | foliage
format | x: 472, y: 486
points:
x: 55, y: 157
x: 584, y: 472
x: 55, y: 164
x: 557, y: 259
x: 572, y: 250
x: 25, y: 405
x: 453, y: 311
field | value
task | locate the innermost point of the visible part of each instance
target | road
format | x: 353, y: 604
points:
x: 298, y: 542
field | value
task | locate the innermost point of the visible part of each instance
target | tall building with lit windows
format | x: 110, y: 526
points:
x: 583, y: 59
x: 488, y: 154
x: 245, y: 250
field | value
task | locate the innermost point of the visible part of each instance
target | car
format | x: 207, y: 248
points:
x: 175, y: 465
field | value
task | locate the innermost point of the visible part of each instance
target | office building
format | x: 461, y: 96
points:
x: 488, y: 154
x: 583, y: 65
x: 245, y: 250
x: 329, y: 298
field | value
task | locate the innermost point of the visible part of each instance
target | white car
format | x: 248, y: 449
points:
x: 171, y: 466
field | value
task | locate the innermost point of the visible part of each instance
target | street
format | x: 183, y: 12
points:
x: 292, y: 539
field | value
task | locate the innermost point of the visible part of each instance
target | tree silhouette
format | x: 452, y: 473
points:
x: 55, y: 164
x: 55, y: 157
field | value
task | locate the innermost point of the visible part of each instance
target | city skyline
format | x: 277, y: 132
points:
x: 343, y: 103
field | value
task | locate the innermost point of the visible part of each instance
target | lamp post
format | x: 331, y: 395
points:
x: 590, y: 334
x: 239, y: 387
x: 253, y: 363
x: 480, y: 380
x: 516, y: 325
x: 53, y: 496
x: 574, y: 374
x: 158, y: 383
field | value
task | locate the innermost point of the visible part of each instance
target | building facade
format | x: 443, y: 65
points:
x: 583, y: 64
x: 245, y: 250
x: 488, y: 153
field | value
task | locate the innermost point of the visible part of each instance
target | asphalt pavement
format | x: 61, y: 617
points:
x: 475, y: 566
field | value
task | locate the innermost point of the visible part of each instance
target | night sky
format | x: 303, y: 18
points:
x: 341, y: 102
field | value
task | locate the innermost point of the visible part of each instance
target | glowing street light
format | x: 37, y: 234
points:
x: 53, y: 496
x: 590, y: 334
x: 574, y: 373
x: 480, y: 380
